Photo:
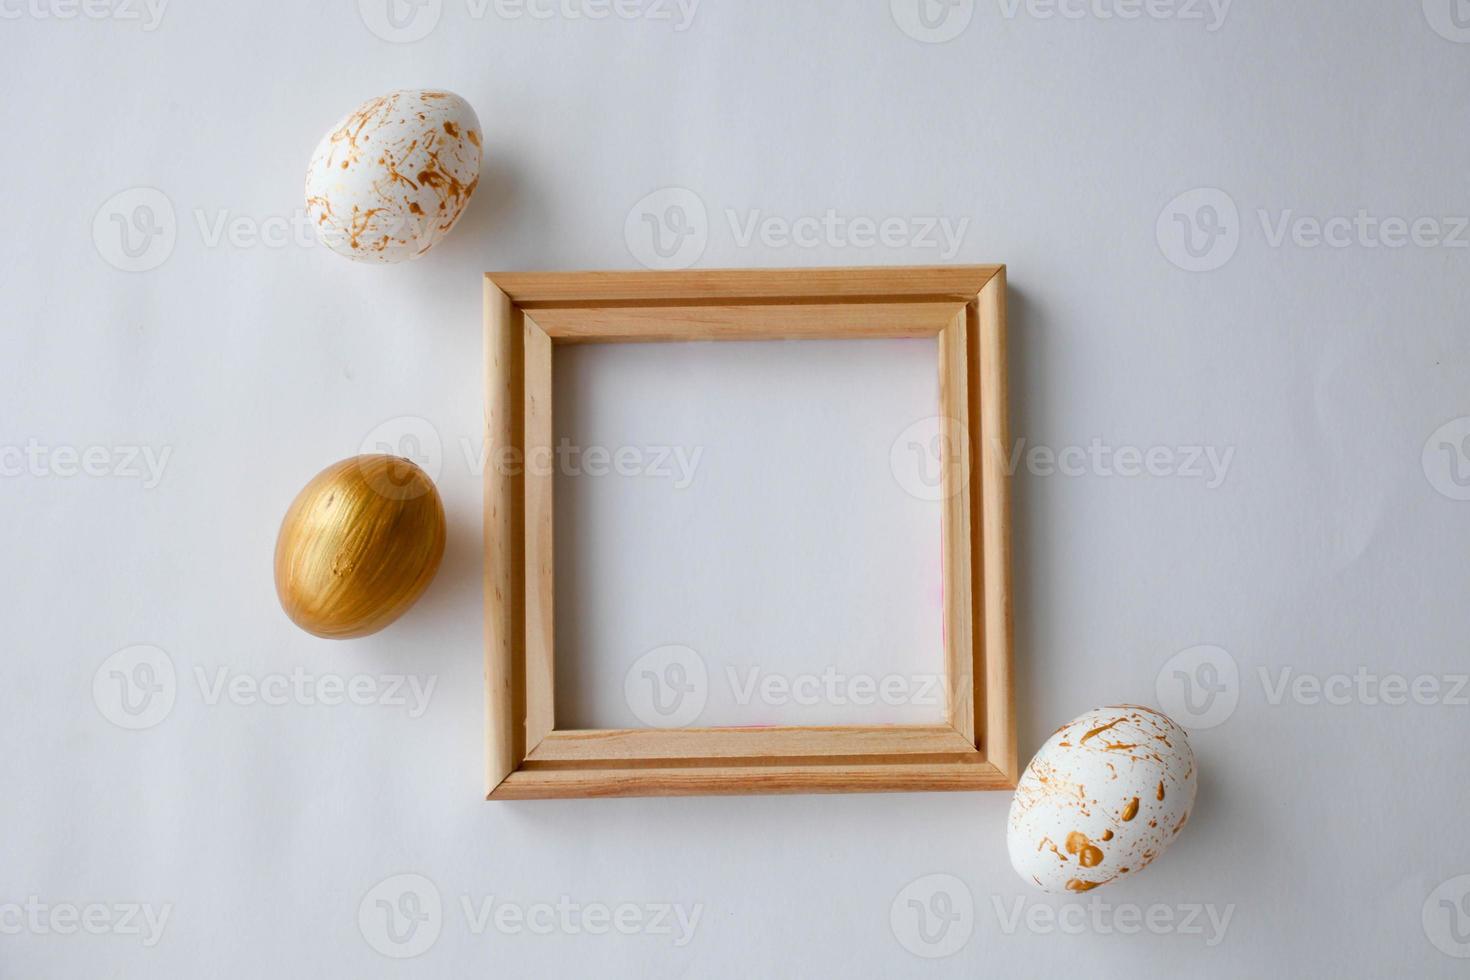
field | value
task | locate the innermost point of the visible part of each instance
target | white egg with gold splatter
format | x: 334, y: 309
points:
x: 1102, y: 799
x: 392, y: 177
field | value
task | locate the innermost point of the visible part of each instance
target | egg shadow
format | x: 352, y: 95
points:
x: 497, y: 195
x: 458, y: 581
x: 1024, y: 323
x: 504, y: 225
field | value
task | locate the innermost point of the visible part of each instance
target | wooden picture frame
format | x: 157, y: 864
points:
x: 528, y: 314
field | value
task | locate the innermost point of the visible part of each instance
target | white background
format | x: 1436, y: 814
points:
x: 1335, y: 542
x: 788, y: 544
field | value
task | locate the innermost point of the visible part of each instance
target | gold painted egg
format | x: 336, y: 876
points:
x: 358, y: 546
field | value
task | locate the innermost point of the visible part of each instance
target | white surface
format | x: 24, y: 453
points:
x: 780, y: 550
x: 1332, y: 832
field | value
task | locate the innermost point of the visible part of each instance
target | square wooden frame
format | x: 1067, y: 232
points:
x: 527, y: 314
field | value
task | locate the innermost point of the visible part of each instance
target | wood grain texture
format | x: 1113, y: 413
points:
x: 903, y: 777
x: 505, y: 701
x: 768, y: 321
x: 965, y: 307
x: 539, y: 479
x: 994, y: 545
x: 960, y: 649
x: 532, y: 290
x: 713, y: 745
